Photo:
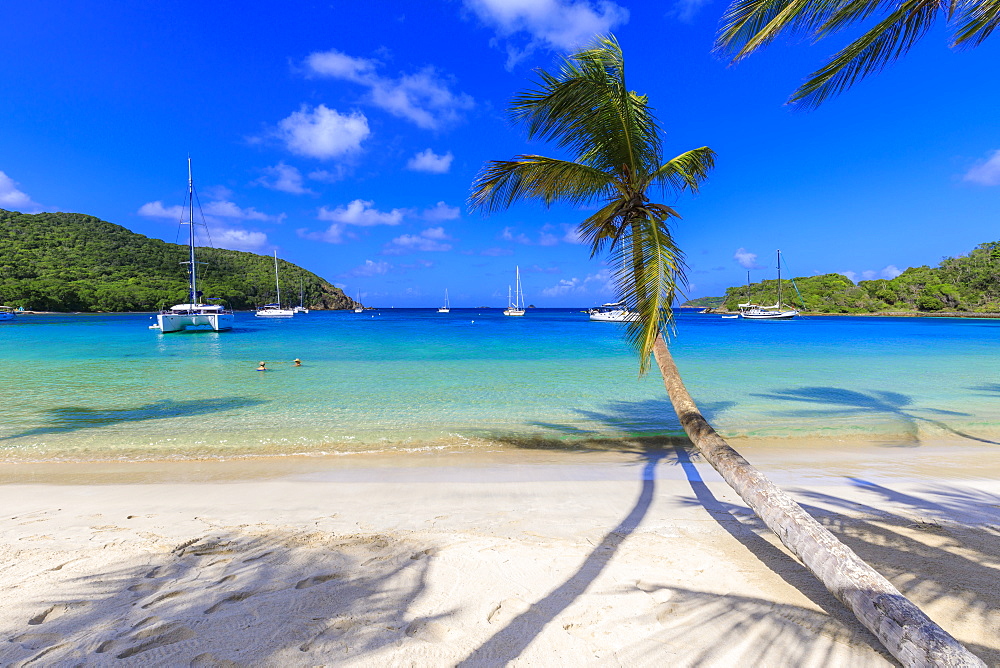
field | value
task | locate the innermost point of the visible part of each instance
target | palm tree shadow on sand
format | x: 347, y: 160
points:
x: 791, y: 635
x: 873, y: 404
x: 75, y: 418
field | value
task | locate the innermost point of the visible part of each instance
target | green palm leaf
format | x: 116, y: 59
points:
x: 587, y: 110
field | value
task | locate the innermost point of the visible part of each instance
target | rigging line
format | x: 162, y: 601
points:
x: 208, y: 232
x: 802, y: 302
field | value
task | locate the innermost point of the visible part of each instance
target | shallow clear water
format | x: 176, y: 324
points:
x: 97, y: 386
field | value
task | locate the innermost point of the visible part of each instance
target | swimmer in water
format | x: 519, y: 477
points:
x: 262, y: 367
x: 298, y: 362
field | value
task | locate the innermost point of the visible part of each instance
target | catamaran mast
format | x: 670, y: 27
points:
x: 277, y: 285
x: 779, y: 279
x: 193, y: 288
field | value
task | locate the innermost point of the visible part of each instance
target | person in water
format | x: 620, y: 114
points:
x: 262, y: 367
x: 298, y: 362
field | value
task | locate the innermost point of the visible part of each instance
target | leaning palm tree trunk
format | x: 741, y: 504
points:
x: 900, y: 625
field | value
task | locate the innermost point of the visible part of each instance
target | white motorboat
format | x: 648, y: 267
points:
x: 613, y: 312
x: 6, y: 313
x: 515, y: 306
x: 193, y: 315
x: 275, y: 310
x: 752, y: 311
x: 446, y: 308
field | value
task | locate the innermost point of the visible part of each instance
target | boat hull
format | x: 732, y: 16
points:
x: 513, y: 311
x: 179, y: 322
x: 614, y: 316
x: 275, y: 313
x: 782, y: 315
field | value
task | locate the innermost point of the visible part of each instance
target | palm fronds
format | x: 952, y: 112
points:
x: 586, y: 109
x: 749, y: 25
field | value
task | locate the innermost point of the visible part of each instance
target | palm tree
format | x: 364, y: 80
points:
x: 749, y: 25
x: 587, y: 109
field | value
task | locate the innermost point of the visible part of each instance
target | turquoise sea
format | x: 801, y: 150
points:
x: 105, y: 386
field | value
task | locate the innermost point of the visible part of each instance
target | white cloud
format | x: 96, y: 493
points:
x: 323, y: 133
x: 746, y: 259
x: 986, y: 173
x: 560, y: 25
x: 431, y: 239
x: 12, y: 198
x: 363, y: 213
x: 431, y: 162
x: 222, y: 209
x: 599, y: 283
x: 507, y: 234
x: 890, y: 272
x: 441, y: 211
x: 213, y: 212
x: 496, y: 252
x: 157, y: 210
x: 685, y: 10
x: 572, y: 235
x: 285, y: 178
x: 370, y: 268
x: 237, y: 239
x: 423, y: 98
x: 332, y: 235
x: 329, y: 175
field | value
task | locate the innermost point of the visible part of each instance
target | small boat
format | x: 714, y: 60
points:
x: 275, y: 310
x: 446, y: 308
x: 6, y: 313
x: 612, y: 312
x: 515, y: 307
x: 301, y: 308
x: 359, y: 308
x: 729, y: 317
x: 193, y: 315
x: 752, y: 311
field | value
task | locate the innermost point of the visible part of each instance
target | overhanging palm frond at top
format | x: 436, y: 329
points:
x: 749, y: 25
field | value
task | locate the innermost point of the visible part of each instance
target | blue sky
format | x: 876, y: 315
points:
x: 345, y: 136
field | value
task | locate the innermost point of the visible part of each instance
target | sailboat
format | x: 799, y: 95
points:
x: 754, y: 312
x: 359, y: 308
x: 302, y: 294
x: 446, y: 308
x: 275, y: 310
x: 612, y: 312
x: 515, y: 307
x: 193, y: 315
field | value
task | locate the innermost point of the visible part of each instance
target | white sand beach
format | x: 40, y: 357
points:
x: 526, y: 558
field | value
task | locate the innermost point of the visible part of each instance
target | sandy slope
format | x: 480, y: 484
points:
x: 563, y: 560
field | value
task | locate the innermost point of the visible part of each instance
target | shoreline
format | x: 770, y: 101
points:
x: 631, y: 557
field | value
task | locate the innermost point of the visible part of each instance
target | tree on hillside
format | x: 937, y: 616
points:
x: 587, y: 109
x: 749, y: 25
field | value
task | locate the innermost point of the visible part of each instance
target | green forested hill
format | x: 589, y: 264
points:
x: 967, y: 283
x: 75, y: 262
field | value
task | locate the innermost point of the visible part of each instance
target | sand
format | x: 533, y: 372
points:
x: 526, y: 558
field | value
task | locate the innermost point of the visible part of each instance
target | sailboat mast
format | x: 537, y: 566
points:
x: 518, y: 296
x: 277, y: 285
x: 779, y: 279
x: 194, y: 283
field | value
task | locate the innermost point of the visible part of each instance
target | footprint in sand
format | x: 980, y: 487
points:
x: 33, y: 641
x: 165, y: 634
x: 235, y: 598
x: 208, y: 660
x: 337, y: 628
x: 145, y: 587
x: 316, y: 580
x: 55, y: 612
x: 429, y: 552
x: 164, y: 597
x: 506, y: 610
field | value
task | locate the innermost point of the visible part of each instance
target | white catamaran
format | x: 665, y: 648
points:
x: 515, y: 307
x: 446, y: 308
x: 275, y: 310
x: 193, y: 315
x: 302, y: 294
x: 752, y: 311
x: 359, y: 308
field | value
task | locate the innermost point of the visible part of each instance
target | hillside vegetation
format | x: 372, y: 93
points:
x: 968, y: 283
x: 75, y: 262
